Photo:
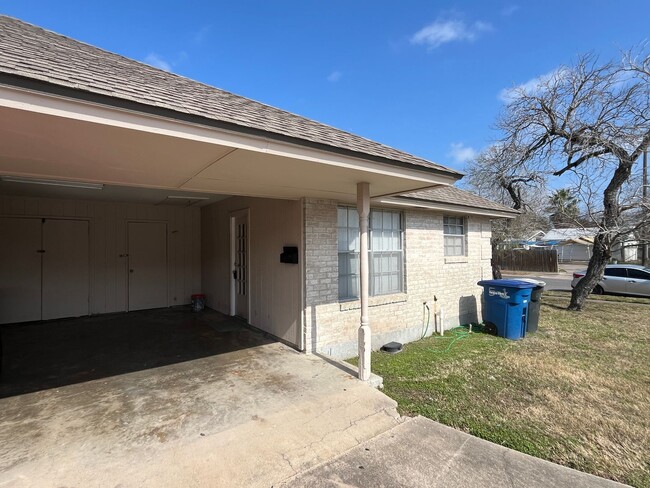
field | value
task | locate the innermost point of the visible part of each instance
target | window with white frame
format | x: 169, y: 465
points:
x: 386, y: 252
x: 385, y: 247
x: 348, y: 235
x: 454, y: 235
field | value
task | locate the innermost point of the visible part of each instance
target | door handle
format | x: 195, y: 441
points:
x: 234, y: 274
x: 131, y: 271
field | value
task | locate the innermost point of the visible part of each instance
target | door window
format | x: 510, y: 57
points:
x: 638, y: 274
x: 618, y: 272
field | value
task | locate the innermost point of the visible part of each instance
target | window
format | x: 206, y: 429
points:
x: 619, y: 272
x: 385, y: 247
x: 638, y: 274
x: 348, y: 232
x: 454, y: 235
x: 386, y: 259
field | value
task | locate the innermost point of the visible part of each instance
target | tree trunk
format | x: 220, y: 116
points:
x: 595, y: 270
x: 605, y: 238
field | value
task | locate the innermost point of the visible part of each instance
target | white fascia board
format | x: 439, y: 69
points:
x: 59, y: 106
x: 446, y: 207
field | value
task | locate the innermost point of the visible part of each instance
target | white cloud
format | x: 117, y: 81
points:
x: 532, y: 86
x: 461, y: 153
x: 334, y: 76
x: 443, y: 31
x: 156, y: 61
x: 509, y: 10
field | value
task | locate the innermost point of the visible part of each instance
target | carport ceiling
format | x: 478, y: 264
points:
x: 41, y: 145
x: 112, y: 193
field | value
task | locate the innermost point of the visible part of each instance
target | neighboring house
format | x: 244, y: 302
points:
x: 576, y: 244
x: 144, y: 187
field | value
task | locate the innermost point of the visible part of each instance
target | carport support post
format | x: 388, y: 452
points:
x: 363, y: 208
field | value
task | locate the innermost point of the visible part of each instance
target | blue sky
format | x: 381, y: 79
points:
x: 424, y: 77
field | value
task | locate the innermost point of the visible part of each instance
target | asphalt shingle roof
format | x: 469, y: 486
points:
x: 31, y: 52
x: 456, y: 196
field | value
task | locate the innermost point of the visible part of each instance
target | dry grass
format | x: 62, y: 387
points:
x: 576, y: 393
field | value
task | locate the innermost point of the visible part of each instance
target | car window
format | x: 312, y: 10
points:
x: 620, y: 272
x: 638, y: 274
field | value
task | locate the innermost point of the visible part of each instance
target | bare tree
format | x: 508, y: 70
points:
x: 584, y: 119
x: 492, y: 175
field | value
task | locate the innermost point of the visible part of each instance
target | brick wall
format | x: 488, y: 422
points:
x: 331, y: 327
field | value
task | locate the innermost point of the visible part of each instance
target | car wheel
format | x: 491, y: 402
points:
x: 598, y: 290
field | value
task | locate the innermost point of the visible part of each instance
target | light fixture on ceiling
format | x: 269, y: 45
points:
x: 67, y: 184
x: 182, y: 200
x: 186, y: 197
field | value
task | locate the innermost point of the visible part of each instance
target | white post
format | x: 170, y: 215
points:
x: 363, y: 207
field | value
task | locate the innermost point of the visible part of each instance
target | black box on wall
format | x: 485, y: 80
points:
x: 289, y: 255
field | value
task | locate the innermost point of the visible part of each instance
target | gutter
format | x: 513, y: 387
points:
x: 449, y: 207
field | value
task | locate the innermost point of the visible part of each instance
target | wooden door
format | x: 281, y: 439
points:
x: 147, y: 249
x: 20, y: 270
x: 66, y: 269
x: 240, y: 264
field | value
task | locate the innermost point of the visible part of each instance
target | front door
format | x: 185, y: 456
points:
x: 240, y: 263
x: 147, y: 265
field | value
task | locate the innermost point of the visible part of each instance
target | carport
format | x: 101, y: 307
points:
x: 104, y: 210
x: 126, y: 188
x: 123, y: 191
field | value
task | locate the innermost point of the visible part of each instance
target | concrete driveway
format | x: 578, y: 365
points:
x: 195, y: 401
x: 173, y: 399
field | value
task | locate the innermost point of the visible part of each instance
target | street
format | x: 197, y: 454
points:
x: 553, y: 281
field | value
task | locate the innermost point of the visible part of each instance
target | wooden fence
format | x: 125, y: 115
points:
x: 526, y: 260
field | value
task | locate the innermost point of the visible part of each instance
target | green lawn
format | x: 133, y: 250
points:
x: 576, y: 393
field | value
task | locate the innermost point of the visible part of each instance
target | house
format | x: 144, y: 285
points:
x: 124, y: 187
x: 576, y: 244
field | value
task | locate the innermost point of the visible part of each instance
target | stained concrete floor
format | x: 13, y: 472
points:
x: 168, y: 398
x: 56, y: 353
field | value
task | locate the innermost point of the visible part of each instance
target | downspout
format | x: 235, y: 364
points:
x: 363, y: 208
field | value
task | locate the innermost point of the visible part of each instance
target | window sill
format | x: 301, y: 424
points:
x: 375, y: 301
x: 456, y: 259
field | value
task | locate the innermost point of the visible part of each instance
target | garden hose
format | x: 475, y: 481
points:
x: 458, y: 334
x: 424, y: 334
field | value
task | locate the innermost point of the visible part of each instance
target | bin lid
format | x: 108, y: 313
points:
x: 531, y: 280
x: 507, y: 283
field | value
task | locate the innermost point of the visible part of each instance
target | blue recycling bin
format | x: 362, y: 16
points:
x: 506, y: 306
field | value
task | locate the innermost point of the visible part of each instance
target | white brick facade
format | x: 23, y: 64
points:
x: 331, y: 326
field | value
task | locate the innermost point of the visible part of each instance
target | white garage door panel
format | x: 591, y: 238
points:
x: 147, y: 265
x: 20, y: 270
x: 66, y: 272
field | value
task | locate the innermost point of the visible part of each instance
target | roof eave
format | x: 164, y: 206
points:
x: 46, y: 87
x: 450, y: 207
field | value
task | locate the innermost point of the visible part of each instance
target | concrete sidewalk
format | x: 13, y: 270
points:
x: 423, y: 453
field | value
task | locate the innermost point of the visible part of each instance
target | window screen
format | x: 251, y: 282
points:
x: 454, y: 236
x: 385, y: 250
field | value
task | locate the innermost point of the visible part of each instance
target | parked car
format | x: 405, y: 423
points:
x: 623, y: 279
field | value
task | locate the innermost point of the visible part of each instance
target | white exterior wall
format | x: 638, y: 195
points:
x: 274, y: 287
x: 108, y: 240
x: 331, y: 327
